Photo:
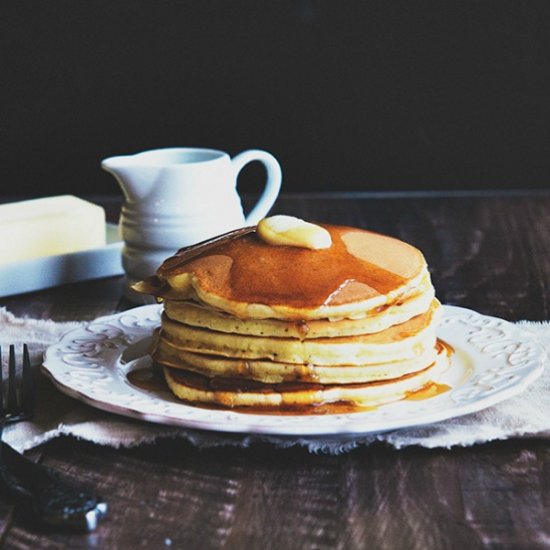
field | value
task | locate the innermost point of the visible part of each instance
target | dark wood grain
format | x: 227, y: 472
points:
x: 490, y: 253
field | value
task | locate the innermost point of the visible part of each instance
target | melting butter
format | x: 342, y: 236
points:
x: 291, y: 231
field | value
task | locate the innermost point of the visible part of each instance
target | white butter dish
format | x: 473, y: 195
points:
x: 50, y: 271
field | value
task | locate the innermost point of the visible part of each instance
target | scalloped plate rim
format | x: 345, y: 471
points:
x: 297, y: 425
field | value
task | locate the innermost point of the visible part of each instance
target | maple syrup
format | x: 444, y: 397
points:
x: 148, y: 378
x: 299, y: 277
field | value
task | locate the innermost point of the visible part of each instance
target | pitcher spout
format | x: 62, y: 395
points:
x: 136, y: 181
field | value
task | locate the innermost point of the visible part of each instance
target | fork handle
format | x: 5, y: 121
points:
x: 46, y: 496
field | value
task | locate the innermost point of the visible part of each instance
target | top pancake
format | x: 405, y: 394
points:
x: 249, y: 278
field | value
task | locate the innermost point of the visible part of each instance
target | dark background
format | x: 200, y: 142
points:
x: 348, y: 95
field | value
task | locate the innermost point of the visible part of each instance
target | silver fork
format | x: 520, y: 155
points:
x: 41, y: 493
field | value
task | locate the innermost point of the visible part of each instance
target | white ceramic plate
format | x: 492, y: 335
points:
x: 493, y: 361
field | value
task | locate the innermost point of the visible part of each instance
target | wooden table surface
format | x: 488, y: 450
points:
x: 486, y: 252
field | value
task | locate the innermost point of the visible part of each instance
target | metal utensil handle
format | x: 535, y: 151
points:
x: 46, y: 497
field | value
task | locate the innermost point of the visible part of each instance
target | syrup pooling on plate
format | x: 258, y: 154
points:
x: 147, y: 378
x: 339, y: 407
x: 428, y: 391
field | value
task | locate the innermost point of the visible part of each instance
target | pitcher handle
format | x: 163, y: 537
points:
x: 272, y: 186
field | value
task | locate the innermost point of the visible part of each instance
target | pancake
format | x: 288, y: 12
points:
x: 249, y: 278
x: 265, y: 324
x: 399, y: 342
x: 273, y: 372
x: 381, y: 318
x: 197, y: 388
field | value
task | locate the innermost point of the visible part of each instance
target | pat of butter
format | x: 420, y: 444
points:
x: 49, y: 226
x: 291, y: 231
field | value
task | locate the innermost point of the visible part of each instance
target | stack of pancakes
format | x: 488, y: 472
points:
x: 263, y: 326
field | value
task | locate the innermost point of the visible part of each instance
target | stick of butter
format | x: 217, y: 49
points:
x: 49, y: 226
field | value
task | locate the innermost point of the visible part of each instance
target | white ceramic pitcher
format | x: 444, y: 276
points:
x: 179, y: 196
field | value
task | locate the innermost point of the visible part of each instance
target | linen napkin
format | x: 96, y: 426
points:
x: 526, y: 415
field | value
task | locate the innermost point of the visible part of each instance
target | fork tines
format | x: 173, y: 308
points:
x: 17, y: 409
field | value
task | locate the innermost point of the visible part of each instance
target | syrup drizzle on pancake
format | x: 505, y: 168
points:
x: 248, y: 270
x: 186, y: 254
